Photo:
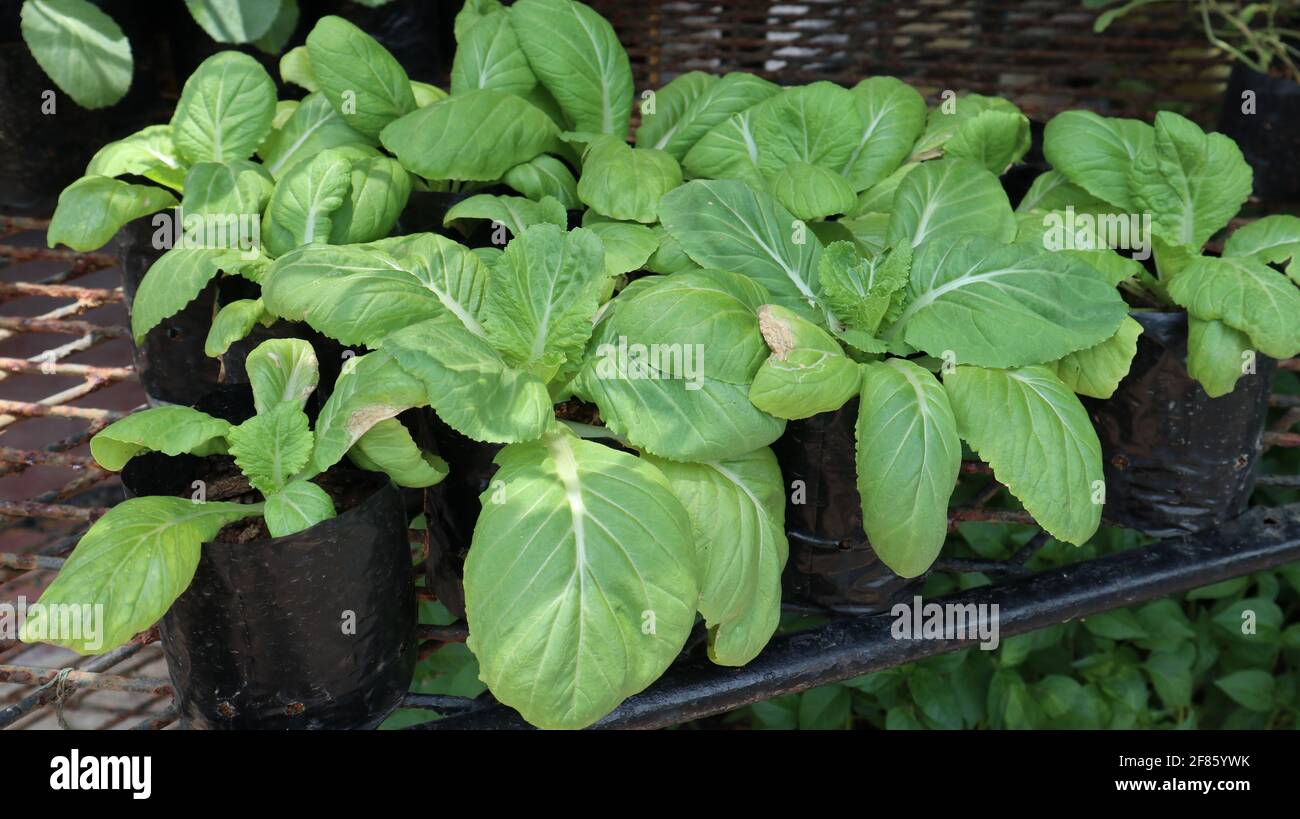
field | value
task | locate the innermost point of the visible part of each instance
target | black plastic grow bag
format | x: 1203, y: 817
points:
x: 831, y: 563
x: 313, y: 630
x: 172, y: 365
x: 1175, y: 460
x: 1268, y: 136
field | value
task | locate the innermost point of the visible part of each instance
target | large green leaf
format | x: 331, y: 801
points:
x: 1004, y: 305
x: 727, y: 151
x: 1272, y: 240
x: 1215, y: 354
x: 80, y: 48
x: 1191, y: 182
x: 304, y: 201
x: 544, y: 292
x: 455, y: 275
x: 1244, y: 294
x: 892, y: 117
x: 234, y: 21
x: 1097, y: 371
x: 364, y: 83
x: 489, y: 56
x: 628, y: 246
x: 172, y: 282
x: 580, y: 588
x: 370, y: 389
x: 135, y: 561
x: 468, y: 383
x: 282, y: 371
x: 666, y: 414
x: 434, y: 142
x: 93, y: 208
x: 378, y: 193
x: 576, y: 55
x: 950, y: 197
x: 818, y: 124
x: 225, y: 110
x: 908, y: 457
x: 737, y: 512
x: 389, y: 448
x: 230, y: 191
x: 544, y: 176
x: 807, y: 372
x: 271, y: 447
x: 1096, y: 153
x: 148, y: 152
x: 727, y: 225
x: 811, y: 191
x: 622, y: 182
x: 689, y: 107
x: 710, y: 311
x: 1029, y: 426
x: 313, y: 127
x: 1053, y: 190
x: 351, y: 293
x: 298, y: 506
x: 169, y: 430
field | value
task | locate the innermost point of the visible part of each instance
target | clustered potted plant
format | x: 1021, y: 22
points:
x: 775, y: 308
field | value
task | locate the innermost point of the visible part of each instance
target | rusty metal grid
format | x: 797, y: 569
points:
x: 1042, y: 54
x: 65, y: 373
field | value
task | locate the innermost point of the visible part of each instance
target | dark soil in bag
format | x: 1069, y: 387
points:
x: 1269, y: 137
x: 831, y: 563
x: 1175, y: 460
x: 313, y: 630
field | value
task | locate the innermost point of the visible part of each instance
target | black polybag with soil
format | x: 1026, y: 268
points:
x: 1175, y: 460
x: 831, y: 564
x: 315, y: 630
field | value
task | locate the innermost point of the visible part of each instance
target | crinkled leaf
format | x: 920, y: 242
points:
x: 863, y: 292
x: 1244, y: 294
x: 1056, y: 470
x: 80, y: 48
x: 588, y: 547
x: 135, y: 560
x: 225, y: 110
x: 171, y: 430
x: 908, y: 457
x: 272, y: 446
x: 94, y: 208
x: 1191, y: 182
x: 364, y: 83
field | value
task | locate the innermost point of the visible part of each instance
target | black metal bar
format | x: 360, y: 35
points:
x: 847, y: 648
